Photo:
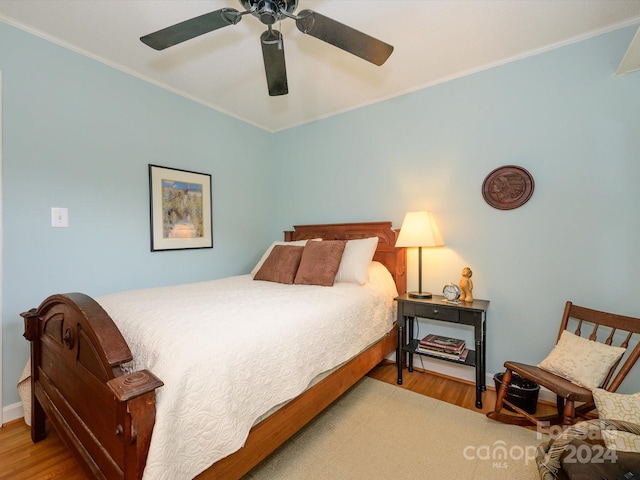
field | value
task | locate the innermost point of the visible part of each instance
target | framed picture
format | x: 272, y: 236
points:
x: 180, y: 209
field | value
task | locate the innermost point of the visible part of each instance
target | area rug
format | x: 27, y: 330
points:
x: 379, y: 431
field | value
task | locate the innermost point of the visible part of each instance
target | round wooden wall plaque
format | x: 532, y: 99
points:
x: 507, y: 187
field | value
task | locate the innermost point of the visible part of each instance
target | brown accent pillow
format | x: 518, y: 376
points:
x: 320, y: 262
x: 281, y: 265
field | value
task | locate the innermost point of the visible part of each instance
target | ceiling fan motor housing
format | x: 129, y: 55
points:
x: 270, y: 11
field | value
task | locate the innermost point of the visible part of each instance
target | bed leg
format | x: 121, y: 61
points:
x: 31, y: 333
x: 38, y: 431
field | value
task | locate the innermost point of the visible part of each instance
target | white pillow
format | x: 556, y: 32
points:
x: 266, y: 254
x: 379, y: 277
x: 356, y: 259
x: 618, y: 406
x: 580, y: 360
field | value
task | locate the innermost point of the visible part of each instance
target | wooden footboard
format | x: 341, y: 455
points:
x: 105, y: 417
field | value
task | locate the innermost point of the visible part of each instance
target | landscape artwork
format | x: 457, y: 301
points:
x: 180, y: 209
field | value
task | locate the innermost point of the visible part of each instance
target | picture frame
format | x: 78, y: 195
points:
x: 180, y: 205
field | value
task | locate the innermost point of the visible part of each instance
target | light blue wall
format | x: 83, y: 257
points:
x: 80, y: 135
x: 564, y: 117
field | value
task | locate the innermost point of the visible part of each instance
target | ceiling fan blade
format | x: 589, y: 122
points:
x: 274, y: 66
x: 180, y: 32
x: 343, y: 36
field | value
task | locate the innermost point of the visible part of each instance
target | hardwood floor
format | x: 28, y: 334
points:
x: 49, y: 458
x: 22, y: 459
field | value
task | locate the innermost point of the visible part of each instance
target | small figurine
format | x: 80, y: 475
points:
x: 466, y: 285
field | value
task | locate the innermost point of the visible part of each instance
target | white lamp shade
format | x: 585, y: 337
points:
x: 419, y: 229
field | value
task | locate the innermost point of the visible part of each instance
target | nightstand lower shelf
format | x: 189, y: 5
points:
x: 412, y: 347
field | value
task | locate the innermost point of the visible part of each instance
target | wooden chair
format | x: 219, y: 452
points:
x: 568, y: 394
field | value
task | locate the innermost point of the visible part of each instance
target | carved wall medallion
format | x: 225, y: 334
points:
x: 507, y: 187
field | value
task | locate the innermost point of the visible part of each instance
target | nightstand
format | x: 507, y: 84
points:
x: 437, y: 308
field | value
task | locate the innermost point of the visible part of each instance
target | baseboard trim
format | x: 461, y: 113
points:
x: 12, y: 412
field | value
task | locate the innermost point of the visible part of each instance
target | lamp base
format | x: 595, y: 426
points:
x: 420, y: 295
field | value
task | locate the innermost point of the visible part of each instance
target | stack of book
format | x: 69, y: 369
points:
x: 443, y: 347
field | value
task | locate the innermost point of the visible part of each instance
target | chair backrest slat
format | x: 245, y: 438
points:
x: 594, y: 332
x: 609, y: 339
x: 578, y: 331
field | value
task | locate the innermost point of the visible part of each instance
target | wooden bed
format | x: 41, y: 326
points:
x: 106, y: 417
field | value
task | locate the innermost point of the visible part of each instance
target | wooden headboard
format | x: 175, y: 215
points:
x: 392, y: 257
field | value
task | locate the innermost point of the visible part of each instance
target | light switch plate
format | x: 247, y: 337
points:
x: 59, y: 217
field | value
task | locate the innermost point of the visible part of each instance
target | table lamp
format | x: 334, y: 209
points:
x: 419, y: 229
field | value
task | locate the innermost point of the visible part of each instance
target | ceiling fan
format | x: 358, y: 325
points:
x: 270, y: 12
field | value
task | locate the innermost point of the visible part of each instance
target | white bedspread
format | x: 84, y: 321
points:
x: 229, y: 350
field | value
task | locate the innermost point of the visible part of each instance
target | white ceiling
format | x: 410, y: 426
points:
x: 434, y: 40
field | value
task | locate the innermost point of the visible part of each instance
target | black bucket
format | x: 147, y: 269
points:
x: 522, y: 393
